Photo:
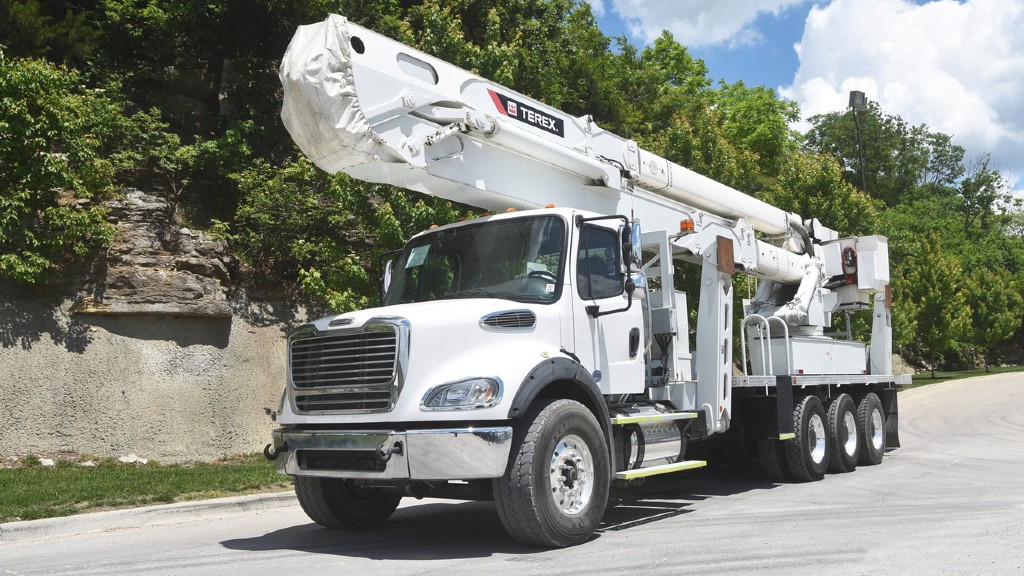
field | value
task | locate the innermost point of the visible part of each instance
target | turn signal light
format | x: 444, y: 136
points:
x: 549, y: 205
x: 686, y: 226
x: 508, y: 210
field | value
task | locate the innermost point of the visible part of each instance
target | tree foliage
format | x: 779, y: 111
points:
x: 902, y: 163
x: 52, y: 172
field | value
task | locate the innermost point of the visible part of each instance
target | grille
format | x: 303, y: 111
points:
x: 358, y: 368
x: 349, y: 400
x: 511, y: 319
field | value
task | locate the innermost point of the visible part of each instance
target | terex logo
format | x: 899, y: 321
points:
x: 527, y: 114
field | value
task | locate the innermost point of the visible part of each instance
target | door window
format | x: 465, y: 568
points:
x: 598, y: 266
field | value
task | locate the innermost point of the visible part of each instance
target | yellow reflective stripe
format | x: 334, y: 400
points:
x: 789, y: 436
x: 618, y: 420
x: 664, y: 469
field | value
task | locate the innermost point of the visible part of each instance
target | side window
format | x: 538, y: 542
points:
x: 598, y: 269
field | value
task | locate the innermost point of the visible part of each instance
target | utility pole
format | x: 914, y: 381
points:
x: 859, y: 103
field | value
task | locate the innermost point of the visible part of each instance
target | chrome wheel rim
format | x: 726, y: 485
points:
x: 816, y: 438
x: 850, y: 429
x: 876, y: 429
x: 572, y: 475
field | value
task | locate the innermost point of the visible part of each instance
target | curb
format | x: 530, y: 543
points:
x: 159, y: 515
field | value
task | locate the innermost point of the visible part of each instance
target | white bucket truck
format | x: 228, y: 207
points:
x: 540, y: 356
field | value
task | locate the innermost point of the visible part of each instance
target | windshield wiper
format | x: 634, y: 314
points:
x: 478, y: 293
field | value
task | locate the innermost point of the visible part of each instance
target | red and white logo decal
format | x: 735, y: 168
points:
x: 527, y: 114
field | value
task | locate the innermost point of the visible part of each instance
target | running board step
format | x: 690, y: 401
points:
x: 648, y: 418
x: 663, y: 469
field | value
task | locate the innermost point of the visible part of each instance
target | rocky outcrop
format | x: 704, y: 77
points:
x: 156, y: 266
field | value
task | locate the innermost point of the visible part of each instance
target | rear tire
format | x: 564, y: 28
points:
x: 337, y: 503
x: 871, y: 424
x: 556, y: 488
x: 807, y: 454
x: 845, y: 443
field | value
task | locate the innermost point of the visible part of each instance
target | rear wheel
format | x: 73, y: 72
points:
x: 337, y: 503
x: 844, y: 447
x: 807, y: 453
x: 871, y: 423
x: 556, y: 488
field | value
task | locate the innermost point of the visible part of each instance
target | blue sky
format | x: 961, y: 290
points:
x: 955, y: 65
x: 771, y: 62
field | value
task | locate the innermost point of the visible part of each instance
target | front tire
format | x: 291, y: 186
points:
x: 337, y: 503
x: 807, y: 454
x: 555, y: 491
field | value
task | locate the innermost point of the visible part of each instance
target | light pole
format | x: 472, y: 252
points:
x: 859, y: 103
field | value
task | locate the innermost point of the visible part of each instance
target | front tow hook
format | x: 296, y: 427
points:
x: 271, y: 454
x: 384, y: 455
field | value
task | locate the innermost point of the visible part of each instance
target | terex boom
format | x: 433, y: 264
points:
x: 539, y: 356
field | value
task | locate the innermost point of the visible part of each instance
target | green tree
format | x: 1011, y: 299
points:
x: 996, y: 308
x: 52, y: 173
x: 325, y: 232
x: 982, y: 193
x: 58, y: 31
x: 812, y: 185
x: 901, y: 163
x: 932, y: 283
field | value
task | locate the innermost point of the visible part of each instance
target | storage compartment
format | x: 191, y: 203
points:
x: 810, y: 355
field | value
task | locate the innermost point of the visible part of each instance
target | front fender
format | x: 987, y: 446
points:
x: 562, y: 378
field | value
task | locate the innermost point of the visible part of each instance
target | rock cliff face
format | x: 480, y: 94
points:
x: 157, y: 267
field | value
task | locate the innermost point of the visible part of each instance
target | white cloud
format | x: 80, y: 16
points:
x: 698, y: 22
x: 957, y: 67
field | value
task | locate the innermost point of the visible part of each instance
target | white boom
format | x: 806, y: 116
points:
x: 358, y: 102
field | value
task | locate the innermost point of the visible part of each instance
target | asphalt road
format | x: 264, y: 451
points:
x: 951, y: 501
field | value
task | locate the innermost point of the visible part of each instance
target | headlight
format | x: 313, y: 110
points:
x: 463, y: 395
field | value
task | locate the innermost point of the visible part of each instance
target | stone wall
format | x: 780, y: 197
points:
x: 152, y: 352
x: 163, y: 387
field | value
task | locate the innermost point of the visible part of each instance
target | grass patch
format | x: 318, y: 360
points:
x: 925, y: 378
x: 31, y: 491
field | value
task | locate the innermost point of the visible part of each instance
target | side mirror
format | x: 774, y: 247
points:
x: 385, y: 280
x: 627, y: 249
x: 636, y: 243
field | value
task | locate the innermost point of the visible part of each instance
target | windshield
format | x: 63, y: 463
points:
x: 518, y: 259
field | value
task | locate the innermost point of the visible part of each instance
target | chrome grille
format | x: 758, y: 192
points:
x: 349, y: 400
x: 349, y: 370
x: 510, y: 319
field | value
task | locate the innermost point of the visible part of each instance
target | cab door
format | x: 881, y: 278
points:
x: 609, y: 345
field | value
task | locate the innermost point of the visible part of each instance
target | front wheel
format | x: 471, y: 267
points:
x: 556, y: 488
x: 337, y: 503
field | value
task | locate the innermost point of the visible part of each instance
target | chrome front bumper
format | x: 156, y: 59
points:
x: 443, y: 454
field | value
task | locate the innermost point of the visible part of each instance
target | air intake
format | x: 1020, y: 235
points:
x: 510, y: 320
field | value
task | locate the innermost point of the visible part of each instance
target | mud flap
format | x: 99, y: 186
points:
x: 784, y: 406
x: 892, y: 418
